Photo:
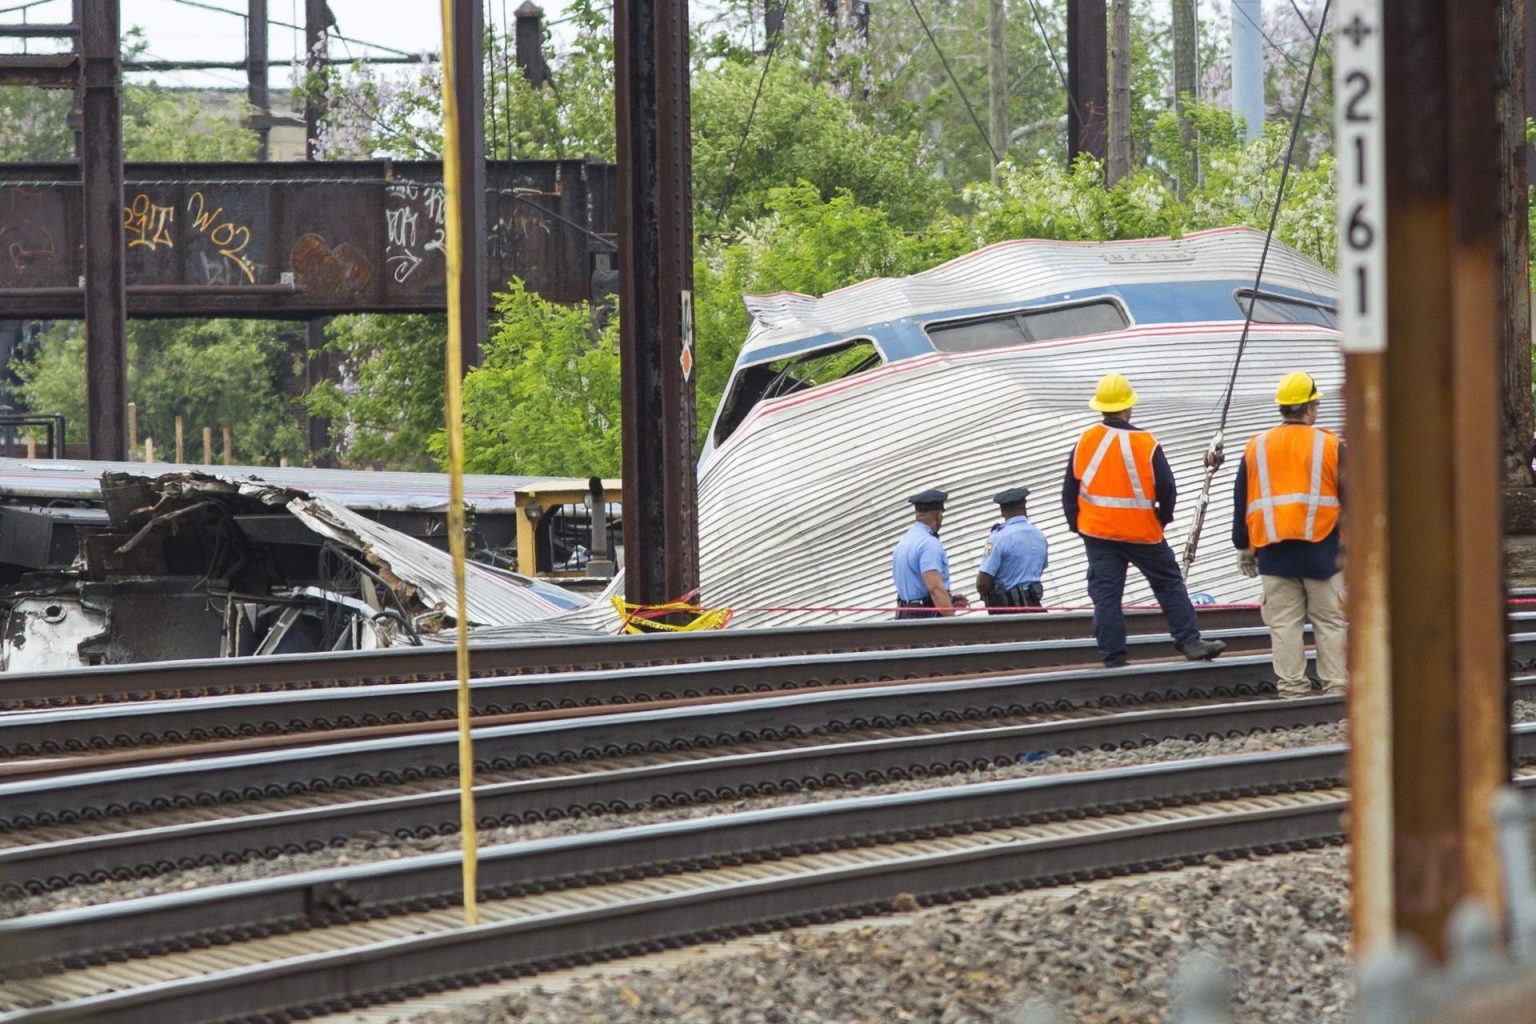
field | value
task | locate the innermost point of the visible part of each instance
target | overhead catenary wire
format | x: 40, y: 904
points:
x: 730, y: 176
x: 986, y: 137
x: 1214, y: 455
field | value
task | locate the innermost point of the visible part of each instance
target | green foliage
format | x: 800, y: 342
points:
x: 214, y: 373
x: 545, y: 399
x: 802, y: 132
x: 1237, y: 185
x: 33, y: 126
x: 160, y: 124
x: 392, y: 401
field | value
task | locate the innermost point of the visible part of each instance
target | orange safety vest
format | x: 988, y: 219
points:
x: 1116, y: 489
x: 1293, y: 484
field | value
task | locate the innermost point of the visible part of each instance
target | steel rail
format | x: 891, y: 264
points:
x: 721, y: 908
x: 316, y: 899
x: 61, y: 797
x: 40, y: 867
x: 51, y: 798
x: 198, y: 677
x: 56, y: 731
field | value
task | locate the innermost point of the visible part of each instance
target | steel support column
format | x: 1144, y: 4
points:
x: 256, y: 75
x: 529, y: 43
x: 661, y: 551
x: 317, y: 23
x: 106, y: 374
x: 1087, y: 78
x: 1440, y: 402
x: 469, y: 86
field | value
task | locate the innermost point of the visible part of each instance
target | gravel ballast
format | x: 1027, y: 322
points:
x: 1102, y: 954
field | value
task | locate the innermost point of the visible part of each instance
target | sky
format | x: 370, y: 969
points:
x: 188, y: 30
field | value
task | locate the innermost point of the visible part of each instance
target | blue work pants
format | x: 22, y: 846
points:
x: 1107, y: 561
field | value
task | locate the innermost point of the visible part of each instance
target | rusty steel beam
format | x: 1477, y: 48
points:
x: 256, y: 75
x: 469, y: 88
x: 1439, y: 401
x: 317, y: 22
x: 661, y: 548
x: 1087, y: 79
x: 46, y: 70
x: 105, y: 300
x: 1515, y: 327
x: 323, y: 238
x: 40, y: 30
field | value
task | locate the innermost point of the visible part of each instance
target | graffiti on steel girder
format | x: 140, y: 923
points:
x: 229, y: 237
x: 414, y: 223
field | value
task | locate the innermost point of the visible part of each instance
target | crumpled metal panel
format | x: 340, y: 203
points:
x: 54, y: 479
x: 802, y: 506
x: 1029, y: 270
x: 491, y: 597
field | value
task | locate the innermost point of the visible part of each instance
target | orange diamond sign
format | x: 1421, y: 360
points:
x: 686, y: 358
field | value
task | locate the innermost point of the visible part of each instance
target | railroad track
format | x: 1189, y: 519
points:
x: 60, y: 792
x: 197, y: 678
x: 100, y: 850
x: 351, y: 936
x: 50, y: 732
x: 285, y: 948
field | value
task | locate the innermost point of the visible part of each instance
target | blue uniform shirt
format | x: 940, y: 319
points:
x: 1017, y: 553
x: 919, y: 551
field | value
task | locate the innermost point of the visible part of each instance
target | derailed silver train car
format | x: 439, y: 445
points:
x: 975, y: 376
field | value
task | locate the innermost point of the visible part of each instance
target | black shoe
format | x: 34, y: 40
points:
x: 1201, y: 649
x: 1116, y: 663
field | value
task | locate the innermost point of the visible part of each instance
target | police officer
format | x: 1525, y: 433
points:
x: 920, y: 566
x: 1285, y: 526
x: 1016, y: 555
x: 1118, y: 495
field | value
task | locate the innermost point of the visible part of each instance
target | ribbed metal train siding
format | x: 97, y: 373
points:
x: 1011, y: 271
x: 802, y: 506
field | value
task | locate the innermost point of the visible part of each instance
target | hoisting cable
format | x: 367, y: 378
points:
x: 453, y: 189
x: 1214, y: 456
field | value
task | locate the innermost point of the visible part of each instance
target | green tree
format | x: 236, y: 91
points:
x: 545, y: 399
x: 213, y: 373
x: 391, y: 403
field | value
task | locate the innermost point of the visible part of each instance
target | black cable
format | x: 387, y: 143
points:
x: 1051, y: 52
x: 1213, y: 457
x: 1274, y: 213
x: 730, y: 177
x: 996, y: 156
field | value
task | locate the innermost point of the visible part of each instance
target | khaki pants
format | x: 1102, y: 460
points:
x: 1288, y: 602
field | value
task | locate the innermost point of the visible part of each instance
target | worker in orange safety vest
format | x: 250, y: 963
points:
x: 1285, y: 526
x: 1118, y: 494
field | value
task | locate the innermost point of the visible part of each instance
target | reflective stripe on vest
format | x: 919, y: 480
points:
x: 1264, y: 503
x: 1138, y: 497
x: 1116, y: 500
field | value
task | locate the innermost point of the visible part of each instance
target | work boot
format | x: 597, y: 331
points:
x: 1200, y: 649
x: 1116, y: 663
x: 1334, y: 689
x: 1293, y: 688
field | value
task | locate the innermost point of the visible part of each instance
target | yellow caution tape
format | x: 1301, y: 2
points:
x: 646, y: 618
x: 453, y: 188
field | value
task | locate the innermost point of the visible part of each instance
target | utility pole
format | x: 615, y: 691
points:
x: 469, y: 85
x: 1247, y: 65
x: 101, y: 177
x: 1514, y: 163
x: 529, y: 43
x: 1119, y: 89
x: 997, y: 81
x: 256, y: 76
x: 656, y: 358
x: 1419, y: 209
x: 317, y: 361
x: 1186, y: 82
x: 1087, y: 79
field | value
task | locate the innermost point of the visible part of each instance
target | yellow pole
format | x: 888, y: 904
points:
x: 452, y: 186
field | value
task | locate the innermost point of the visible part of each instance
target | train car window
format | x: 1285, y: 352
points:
x: 781, y: 377
x: 1022, y: 326
x: 1278, y: 309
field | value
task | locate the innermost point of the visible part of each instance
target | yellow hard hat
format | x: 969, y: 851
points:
x: 1297, y: 389
x: 1114, y: 394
